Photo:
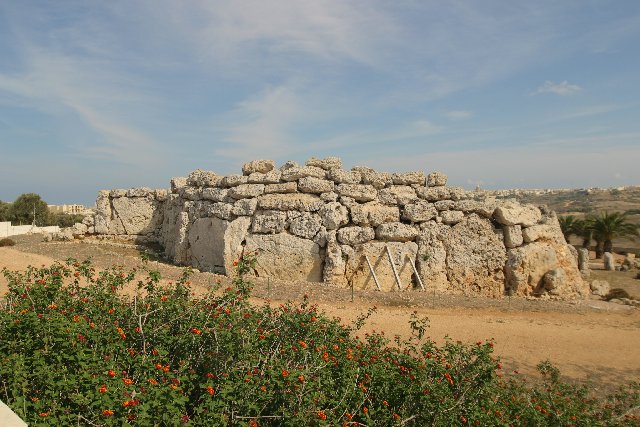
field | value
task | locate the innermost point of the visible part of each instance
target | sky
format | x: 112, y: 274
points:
x: 502, y: 94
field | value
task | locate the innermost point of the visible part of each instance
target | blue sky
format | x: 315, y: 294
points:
x: 504, y: 94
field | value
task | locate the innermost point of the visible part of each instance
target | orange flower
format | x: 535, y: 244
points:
x: 152, y: 381
x: 211, y: 390
x: 253, y: 423
x: 196, y: 331
x: 111, y: 373
x: 103, y: 388
x: 396, y: 416
x: 285, y: 373
x: 302, y: 344
x: 164, y: 298
x: 107, y: 412
x: 365, y: 410
x: 301, y: 378
x: 127, y: 381
x: 321, y: 415
x: 44, y: 414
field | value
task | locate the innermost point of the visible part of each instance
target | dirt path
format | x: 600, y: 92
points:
x: 587, y: 340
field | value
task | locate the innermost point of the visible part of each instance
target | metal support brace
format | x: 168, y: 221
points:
x: 393, y: 267
x: 373, y: 273
x: 415, y: 271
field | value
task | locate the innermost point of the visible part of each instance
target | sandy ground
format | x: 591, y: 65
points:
x: 588, y: 340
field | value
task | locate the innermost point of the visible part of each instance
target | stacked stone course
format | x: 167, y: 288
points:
x: 317, y: 222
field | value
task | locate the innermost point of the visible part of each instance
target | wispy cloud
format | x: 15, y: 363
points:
x: 563, y: 88
x: 459, y: 115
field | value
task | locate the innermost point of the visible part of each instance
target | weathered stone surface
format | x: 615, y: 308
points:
x: 408, y: 178
x: 282, y: 188
x: 177, y: 183
x: 452, y: 217
x: 286, y: 257
x: 191, y: 193
x: 202, y: 178
x: 355, y: 235
x: 313, y: 185
x: 609, y: 261
x: 583, y: 259
x: 139, y: 192
x: 600, y: 287
x: 173, y: 235
x: 219, y: 210
x: 295, y: 173
x: 136, y: 215
x: 118, y: 192
x: 419, y: 211
x: 269, y: 222
x: 333, y: 215
x: 436, y: 179
x: 373, y: 213
x: 434, y: 194
x: 245, y: 191
x: 288, y: 165
x: 290, y: 202
x: 396, y: 232
x: 327, y: 163
x: 554, y: 281
x: 512, y: 236
x: 272, y: 177
x: 161, y: 194
x: 541, y: 232
x: 358, y: 192
x: 334, y: 266
x: 258, y: 166
x: 397, y: 195
x: 233, y: 180
x: 484, y: 208
x: 347, y: 201
x: 358, y: 272
x: 306, y: 225
x: 475, y: 257
x: 340, y: 176
x: 329, y: 197
x: 79, y: 229
x: 431, y: 259
x: 513, y: 213
x: 377, y: 180
x: 244, y: 207
x: 444, y: 205
x: 214, y: 244
x: 215, y: 194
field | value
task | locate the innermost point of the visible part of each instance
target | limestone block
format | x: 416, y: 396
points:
x: 583, y: 259
x: 347, y: 201
x: 452, y: 217
x: 434, y: 194
x: 285, y: 187
x: 244, y: 207
x: 396, y: 232
x: 333, y: 215
x: 484, y: 208
x: 408, y: 178
x: 215, y: 194
x: 355, y: 235
x: 401, y: 253
x: 419, y: 211
x: 286, y: 257
x: 340, y: 176
x: 555, y: 280
x: 320, y: 238
x: 272, y: 177
x: 89, y: 220
x: 431, y: 259
x: 475, y: 257
x: 79, y: 229
x: 373, y: 213
x: 139, y: 192
x: 258, y: 166
x: 177, y: 183
x: 513, y: 213
x: 609, y: 261
x: 397, y: 195
x: 136, y: 215
x: 600, y: 287
x: 436, y: 179
x: 444, y: 205
x: 295, y: 173
x: 245, y: 191
x: 202, y: 178
x: 327, y: 163
x: 358, y: 192
x: 333, y: 271
x: 512, y: 236
x: 540, y: 232
x: 269, y: 222
x: 376, y: 179
x: 219, y: 210
x: 191, y: 193
x: 329, y: 197
x: 290, y: 202
x: 310, y: 184
x: 161, y: 194
x: 306, y: 225
x: 103, y: 204
x: 288, y: 165
x: 234, y: 180
x: 214, y: 244
x: 118, y: 192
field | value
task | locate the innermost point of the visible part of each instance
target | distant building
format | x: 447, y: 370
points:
x: 70, y: 209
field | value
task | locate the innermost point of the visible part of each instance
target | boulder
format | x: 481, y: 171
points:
x: 513, y: 213
x: 355, y: 235
x: 419, y: 211
x: 333, y: 215
x: 373, y: 214
x: 396, y: 232
x: 327, y: 163
x: 358, y: 192
x: 258, y: 166
x: 600, y: 287
x: 290, y: 202
x: 310, y: 184
x: 436, y: 179
x: 554, y: 281
x: 286, y: 257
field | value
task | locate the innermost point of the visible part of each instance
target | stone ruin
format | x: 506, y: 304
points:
x: 318, y: 222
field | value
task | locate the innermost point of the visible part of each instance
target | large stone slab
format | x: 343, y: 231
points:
x: 286, y: 257
x: 135, y: 215
x: 214, y: 244
x: 290, y: 202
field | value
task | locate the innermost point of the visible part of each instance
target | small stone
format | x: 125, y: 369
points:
x: 355, y: 235
x: 327, y: 163
x: 259, y: 166
x: 310, y: 184
x: 436, y: 179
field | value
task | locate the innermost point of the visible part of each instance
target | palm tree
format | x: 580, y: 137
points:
x: 568, y: 225
x: 608, y: 226
x: 584, y: 228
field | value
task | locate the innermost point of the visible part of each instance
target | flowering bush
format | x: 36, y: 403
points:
x: 75, y: 351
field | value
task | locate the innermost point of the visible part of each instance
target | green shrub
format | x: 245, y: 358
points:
x: 7, y: 242
x: 75, y: 351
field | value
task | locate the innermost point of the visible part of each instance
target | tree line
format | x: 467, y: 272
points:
x: 602, y: 227
x: 29, y: 205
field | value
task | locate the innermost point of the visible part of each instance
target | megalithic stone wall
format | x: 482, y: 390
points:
x: 317, y: 222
